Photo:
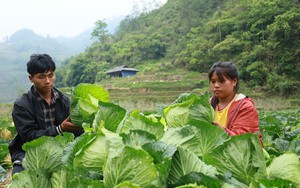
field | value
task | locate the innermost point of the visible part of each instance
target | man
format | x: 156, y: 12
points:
x: 42, y: 111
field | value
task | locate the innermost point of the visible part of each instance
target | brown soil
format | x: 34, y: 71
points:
x: 7, y: 181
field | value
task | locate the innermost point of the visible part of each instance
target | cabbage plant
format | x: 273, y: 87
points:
x: 177, y: 148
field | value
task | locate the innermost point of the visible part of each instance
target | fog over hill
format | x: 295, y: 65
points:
x: 15, y: 52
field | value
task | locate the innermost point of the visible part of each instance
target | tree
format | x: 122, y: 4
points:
x: 259, y: 36
x: 258, y: 73
x: 100, y: 32
x: 77, y: 68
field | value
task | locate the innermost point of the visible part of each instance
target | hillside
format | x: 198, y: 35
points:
x: 160, y: 87
x: 148, y: 90
x: 182, y: 34
x: 260, y: 37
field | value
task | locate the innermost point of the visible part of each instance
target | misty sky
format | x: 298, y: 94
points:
x: 66, y: 18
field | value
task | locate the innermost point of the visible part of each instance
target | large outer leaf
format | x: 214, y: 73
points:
x: 114, y: 141
x: 201, y: 110
x: 31, y: 178
x: 189, y: 109
x: 286, y: 166
x: 132, y: 165
x: 185, y: 97
x: 75, y: 116
x: 84, y: 103
x: 83, y: 112
x: 185, y: 162
x: 162, y: 155
x: 200, y: 179
x: 44, y: 152
x: 276, y: 182
x: 177, y: 114
x: 93, y: 154
x: 241, y: 155
x: 137, y: 138
x: 109, y: 116
x: 64, y: 139
x: 74, y: 147
x: 74, y: 177
x: 137, y: 121
x: 85, y: 91
x: 200, y: 139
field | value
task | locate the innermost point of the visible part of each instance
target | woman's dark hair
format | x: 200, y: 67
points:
x: 223, y: 69
x: 40, y: 63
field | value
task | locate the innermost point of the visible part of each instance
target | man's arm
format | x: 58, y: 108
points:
x: 26, y: 124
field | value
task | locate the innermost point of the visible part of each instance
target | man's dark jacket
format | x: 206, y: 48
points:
x: 30, y: 122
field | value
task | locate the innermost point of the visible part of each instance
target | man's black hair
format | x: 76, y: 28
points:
x: 40, y: 63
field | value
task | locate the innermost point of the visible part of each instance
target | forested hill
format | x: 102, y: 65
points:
x: 261, y: 37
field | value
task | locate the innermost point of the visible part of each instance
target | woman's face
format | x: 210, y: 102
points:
x: 222, y: 89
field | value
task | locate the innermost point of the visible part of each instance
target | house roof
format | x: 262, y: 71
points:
x: 121, y: 68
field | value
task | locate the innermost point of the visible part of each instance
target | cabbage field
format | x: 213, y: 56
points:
x: 175, y: 146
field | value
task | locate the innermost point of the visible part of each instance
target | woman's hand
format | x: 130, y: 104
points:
x: 217, y: 124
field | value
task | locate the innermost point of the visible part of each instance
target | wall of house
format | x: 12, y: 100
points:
x: 128, y: 73
x: 115, y: 74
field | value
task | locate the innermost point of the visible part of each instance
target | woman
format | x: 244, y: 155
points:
x: 234, y: 112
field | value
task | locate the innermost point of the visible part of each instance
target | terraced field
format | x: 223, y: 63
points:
x: 146, y: 92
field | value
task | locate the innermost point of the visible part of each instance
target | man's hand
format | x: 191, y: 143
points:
x: 68, y: 126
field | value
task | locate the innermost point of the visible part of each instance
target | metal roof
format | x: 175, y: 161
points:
x: 121, y: 68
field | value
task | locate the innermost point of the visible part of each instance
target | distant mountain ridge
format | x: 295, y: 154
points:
x: 24, y: 34
x: 15, y: 52
x: 26, y: 42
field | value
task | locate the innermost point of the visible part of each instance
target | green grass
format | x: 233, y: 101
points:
x: 147, y: 91
x: 5, y: 111
x: 151, y: 88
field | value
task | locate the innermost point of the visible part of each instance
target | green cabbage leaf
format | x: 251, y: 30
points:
x: 189, y: 109
x: 84, y: 103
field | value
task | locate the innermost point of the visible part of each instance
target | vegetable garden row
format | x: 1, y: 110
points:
x: 175, y: 146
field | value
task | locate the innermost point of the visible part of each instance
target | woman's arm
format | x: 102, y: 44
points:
x: 244, y: 120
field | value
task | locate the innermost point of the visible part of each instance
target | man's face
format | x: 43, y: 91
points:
x: 43, y: 82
